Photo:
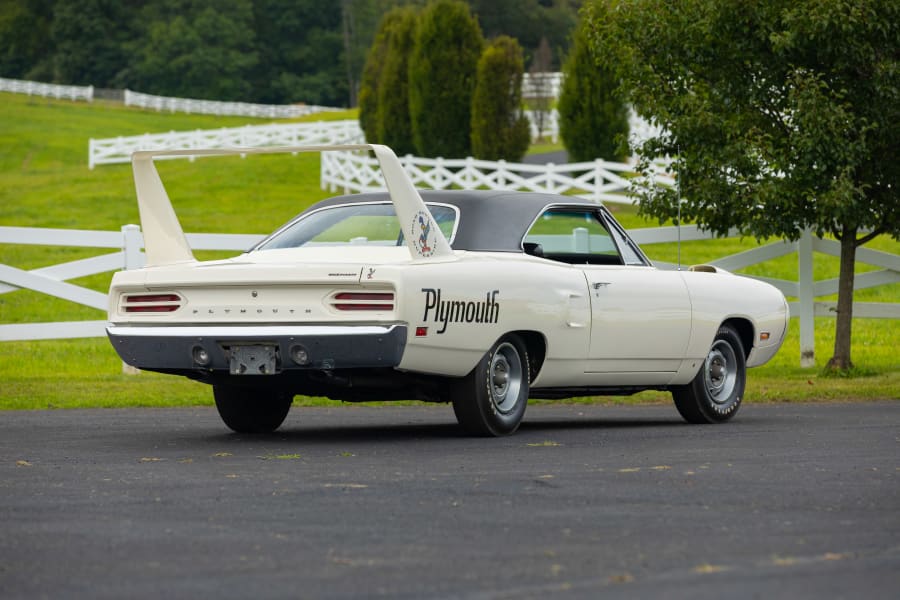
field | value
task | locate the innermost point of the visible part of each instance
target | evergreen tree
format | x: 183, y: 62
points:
x: 593, y: 116
x: 371, y: 79
x: 442, y: 78
x: 499, y: 128
x: 393, y: 124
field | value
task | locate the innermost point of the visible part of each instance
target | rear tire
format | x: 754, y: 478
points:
x: 715, y: 394
x: 251, y: 410
x: 491, y: 400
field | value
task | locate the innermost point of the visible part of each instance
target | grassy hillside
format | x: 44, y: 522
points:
x: 46, y: 183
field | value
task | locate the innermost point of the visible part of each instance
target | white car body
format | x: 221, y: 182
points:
x: 413, y: 319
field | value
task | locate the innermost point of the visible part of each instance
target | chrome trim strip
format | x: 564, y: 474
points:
x: 263, y: 331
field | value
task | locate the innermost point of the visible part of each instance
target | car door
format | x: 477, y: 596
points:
x: 640, y: 316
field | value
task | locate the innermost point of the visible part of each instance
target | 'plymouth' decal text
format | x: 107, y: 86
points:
x: 460, y: 311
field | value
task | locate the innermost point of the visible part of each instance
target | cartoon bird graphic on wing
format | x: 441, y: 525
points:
x: 425, y: 226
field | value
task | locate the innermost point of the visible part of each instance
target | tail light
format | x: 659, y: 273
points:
x: 363, y: 301
x: 151, y: 303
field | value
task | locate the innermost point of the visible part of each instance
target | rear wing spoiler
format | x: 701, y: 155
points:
x: 164, y: 239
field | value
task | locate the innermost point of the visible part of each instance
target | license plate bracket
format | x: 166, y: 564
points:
x: 252, y: 359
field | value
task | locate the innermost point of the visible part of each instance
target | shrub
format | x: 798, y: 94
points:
x: 442, y: 70
x: 499, y: 128
x: 592, y: 111
x: 393, y: 126
x: 371, y: 79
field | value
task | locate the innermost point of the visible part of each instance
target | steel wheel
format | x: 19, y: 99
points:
x: 716, y: 391
x: 506, y: 376
x: 720, y: 372
x: 491, y: 400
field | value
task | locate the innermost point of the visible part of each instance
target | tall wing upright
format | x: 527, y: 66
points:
x: 164, y: 239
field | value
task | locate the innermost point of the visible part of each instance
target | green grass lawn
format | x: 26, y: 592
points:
x: 46, y: 183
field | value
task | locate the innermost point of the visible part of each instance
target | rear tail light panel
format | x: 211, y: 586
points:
x: 362, y: 301
x: 150, y: 303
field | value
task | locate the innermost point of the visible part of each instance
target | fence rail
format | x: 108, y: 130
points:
x: 119, y: 149
x: 128, y: 242
x: 598, y: 180
x: 49, y: 90
x: 215, y: 107
x: 542, y: 85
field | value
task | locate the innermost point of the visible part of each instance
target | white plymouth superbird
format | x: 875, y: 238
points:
x: 478, y: 298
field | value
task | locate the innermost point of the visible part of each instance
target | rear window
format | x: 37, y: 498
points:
x: 373, y: 224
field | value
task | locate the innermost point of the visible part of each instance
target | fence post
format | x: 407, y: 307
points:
x: 131, y: 248
x: 806, y: 301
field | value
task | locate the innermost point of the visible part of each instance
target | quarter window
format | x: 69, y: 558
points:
x: 572, y: 236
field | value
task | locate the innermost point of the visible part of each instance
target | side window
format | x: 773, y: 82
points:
x: 572, y: 236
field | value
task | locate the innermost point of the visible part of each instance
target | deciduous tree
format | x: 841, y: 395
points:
x: 781, y: 116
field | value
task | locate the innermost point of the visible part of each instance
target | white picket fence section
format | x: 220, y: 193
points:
x: 215, y: 107
x: 598, y: 180
x: 541, y: 85
x: 48, y: 90
x: 128, y: 244
x: 119, y: 149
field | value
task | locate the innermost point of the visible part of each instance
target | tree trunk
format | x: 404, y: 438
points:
x: 841, y: 358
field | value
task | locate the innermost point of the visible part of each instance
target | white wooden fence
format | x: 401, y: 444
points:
x: 49, y: 90
x: 119, y: 149
x: 214, y: 107
x: 128, y: 244
x: 598, y: 180
x: 542, y: 85
x: 52, y: 281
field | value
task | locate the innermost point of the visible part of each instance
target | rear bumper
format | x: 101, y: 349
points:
x: 174, y: 349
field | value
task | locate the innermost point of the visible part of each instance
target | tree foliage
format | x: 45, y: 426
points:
x: 781, y: 115
x: 198, y: 45
x: 394, y: 127
x: 593, y: 116
x: 442, y: 69
x: 529, y: 21
x: 286, y: 51
x: 300, y: 47
x: 371, y: 79
x: 500, y: 129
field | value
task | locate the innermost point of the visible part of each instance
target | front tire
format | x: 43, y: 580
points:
x: 251, y: 410
x: 715, y: 394
x: 491, y: 400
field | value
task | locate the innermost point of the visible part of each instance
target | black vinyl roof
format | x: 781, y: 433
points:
x: 491, y: 221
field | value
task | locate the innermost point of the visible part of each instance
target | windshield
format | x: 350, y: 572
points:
x: 373, y: 224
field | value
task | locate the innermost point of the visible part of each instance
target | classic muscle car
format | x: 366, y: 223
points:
x: 478, y: 298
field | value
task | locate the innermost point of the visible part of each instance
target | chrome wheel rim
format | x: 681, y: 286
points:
x: 505, y: 378
x: 720, y: 372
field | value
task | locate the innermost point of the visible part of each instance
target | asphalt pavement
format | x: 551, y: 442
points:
x: 786, y: 501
